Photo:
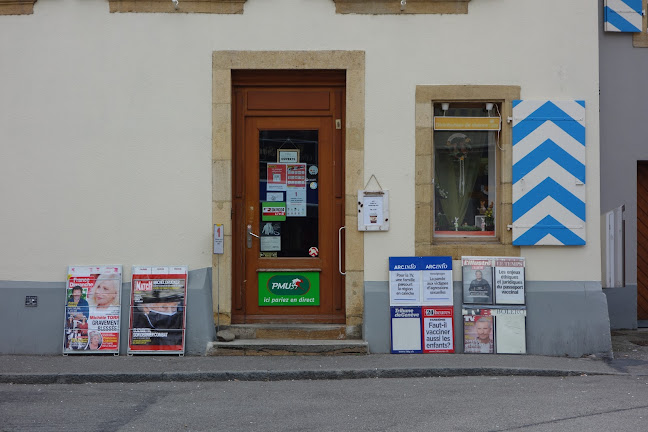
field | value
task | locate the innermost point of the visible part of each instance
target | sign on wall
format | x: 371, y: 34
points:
x: 92, y: 309
x: 289, y: 289
x: 158, y: 310
x: 438, y: 329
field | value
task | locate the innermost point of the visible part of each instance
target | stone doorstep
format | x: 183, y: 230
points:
x: 255, y: 347
x: 330, y: 332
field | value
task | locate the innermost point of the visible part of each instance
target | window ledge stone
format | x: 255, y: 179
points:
x: 184, y: 6
x: 393, y: 7
x: 17, y: 7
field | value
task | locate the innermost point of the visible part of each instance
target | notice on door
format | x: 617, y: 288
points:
x: 276, y: 177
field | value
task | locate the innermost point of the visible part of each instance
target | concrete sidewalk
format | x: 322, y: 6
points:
x: 81, y: 369
x: 630, y: 358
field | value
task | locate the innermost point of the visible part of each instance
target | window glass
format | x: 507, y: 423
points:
x: 464, y: 177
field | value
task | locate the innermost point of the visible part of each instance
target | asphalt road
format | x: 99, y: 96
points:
x: 414, y: 404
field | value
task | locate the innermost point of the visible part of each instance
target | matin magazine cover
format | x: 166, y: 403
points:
x: 158, y: 300
x: 477, y: 275
x: 92, y: 309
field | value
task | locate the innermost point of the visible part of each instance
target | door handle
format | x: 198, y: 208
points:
x: 340, y: 250
x: 250, y: 234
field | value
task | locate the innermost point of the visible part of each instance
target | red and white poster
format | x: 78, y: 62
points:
x: 157, y: 310
x: 92, y: 309
x: 276, y: 177
x: 438, y: 329
x: 296, y: 175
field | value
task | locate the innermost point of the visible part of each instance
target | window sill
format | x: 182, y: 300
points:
x: 393, y: 7
x: 184, y: 6
x: 17, y: 7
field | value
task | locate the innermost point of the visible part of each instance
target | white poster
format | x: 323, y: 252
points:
x: 437, y: 287
x: 296, y: 202
x: 510, y: 331
x: 509, y: 281
x: 405, y: 286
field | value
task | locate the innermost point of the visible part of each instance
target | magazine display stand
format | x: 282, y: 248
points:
x: 494, y: 305
x: 158, y: 310
x: 421, y: 305
x: 92, y: 310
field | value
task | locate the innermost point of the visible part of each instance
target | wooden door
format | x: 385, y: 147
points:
x: 288, y: 203
x: 642, y: 241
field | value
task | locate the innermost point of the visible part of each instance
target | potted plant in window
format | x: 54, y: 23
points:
x: 489, y: 221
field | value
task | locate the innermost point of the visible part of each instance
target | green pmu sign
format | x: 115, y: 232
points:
x: 289, y: 289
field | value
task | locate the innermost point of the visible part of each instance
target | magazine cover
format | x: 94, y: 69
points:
x: 510, y: 333
x: 158, y: 304
x: 438, y: 329
x: 509, y: 280
x: 92, y: 309
x: 478, y: 331
x: 477, y: 275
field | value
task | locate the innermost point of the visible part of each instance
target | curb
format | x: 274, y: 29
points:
x: 294, y: 375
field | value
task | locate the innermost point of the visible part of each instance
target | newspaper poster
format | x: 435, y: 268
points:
x: 478, y: 331
x: 437, y: 280
x: 438, y: 329
x: 404, y: 281
x: 157, y: 312
x: 477, y: 280
x: 510, y: 331
x: 406, y: 330
x: 509, y: 281
x: 92, y: 309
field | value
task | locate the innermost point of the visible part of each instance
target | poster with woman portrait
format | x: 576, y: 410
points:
x: 92, y: 309
x: 157, y: 311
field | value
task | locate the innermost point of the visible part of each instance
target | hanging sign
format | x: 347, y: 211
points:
x: 468, y: 123
x: 288, y: 155
x: 373, y: 210
x: 92, y: 309
x: 289, y: 289
x: 157, y: 312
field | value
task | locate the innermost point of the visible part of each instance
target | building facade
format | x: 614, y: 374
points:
x: 623, y: 58
x: 131, y: 129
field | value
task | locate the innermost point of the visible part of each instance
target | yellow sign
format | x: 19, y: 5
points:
x: 467, y: 123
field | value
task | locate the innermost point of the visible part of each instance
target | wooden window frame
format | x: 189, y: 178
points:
x: 184, y: 6
x: 17, y: 7
x: 394, y: 7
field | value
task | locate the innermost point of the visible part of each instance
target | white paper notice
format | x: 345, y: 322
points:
x: 373, y: 210
x: 405, y: 286
x: 296, y: 202
x: 437, y: 287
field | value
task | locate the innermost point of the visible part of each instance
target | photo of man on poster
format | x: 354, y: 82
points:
x: 162, y: 312
x: 479, y: 336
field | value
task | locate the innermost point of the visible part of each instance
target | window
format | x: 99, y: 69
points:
x: 465, y: 175
x: 458, y: 169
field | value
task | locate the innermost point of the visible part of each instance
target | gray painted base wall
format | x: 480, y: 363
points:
x: 563, y: 318
x: 622, y: 307
x: 39, y: 330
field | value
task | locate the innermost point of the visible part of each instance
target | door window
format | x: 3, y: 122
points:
x: 288, y: 193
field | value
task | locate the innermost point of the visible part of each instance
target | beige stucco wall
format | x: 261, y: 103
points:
x: 106, y: 119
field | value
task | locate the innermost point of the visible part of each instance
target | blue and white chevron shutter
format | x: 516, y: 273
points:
x: 623, y: 16
x: 548, y: 172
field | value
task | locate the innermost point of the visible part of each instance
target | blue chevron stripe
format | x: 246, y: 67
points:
x: 549, y: 226
x: 549, y: 112
x: 546, y: 188
x: 548, y: 150
x: 619, y: 22
x: 635, y: 5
